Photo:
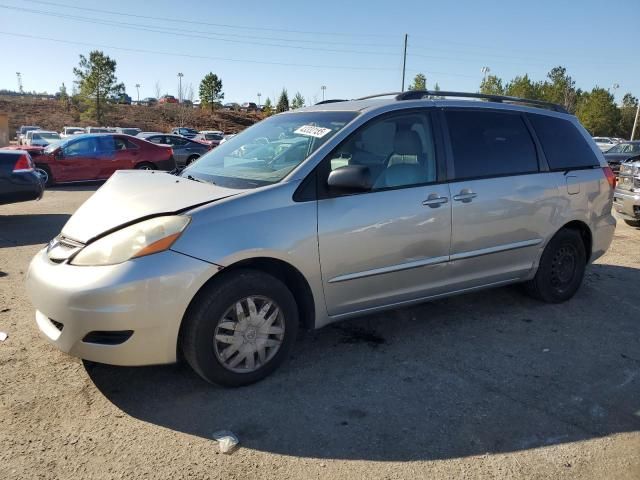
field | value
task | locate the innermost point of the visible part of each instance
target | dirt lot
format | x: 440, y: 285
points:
x: 489, y: 385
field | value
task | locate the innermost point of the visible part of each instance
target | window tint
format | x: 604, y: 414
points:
x: 489, y: 143
x: 562, y: 143
x: 124, y: 144
x: 399, y: 151
x: 156, y: 139
x: 177, y: 141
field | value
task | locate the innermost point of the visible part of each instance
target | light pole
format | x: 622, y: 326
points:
x: 259, y: 95
x: 180, y: 75
x: 323, y: 88
x: 19, y: 75
x: 138, y: 89
x: 635, y: 122
x: 484, y: 71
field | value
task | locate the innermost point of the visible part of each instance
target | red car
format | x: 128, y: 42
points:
x: 168, y: 99
x: 96, y: 157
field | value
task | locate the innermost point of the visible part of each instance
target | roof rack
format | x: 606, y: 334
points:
x: 324, y: 102
x: 420, y: 94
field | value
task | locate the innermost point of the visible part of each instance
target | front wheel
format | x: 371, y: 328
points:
x: 561, y: 268
x: 240, y: 328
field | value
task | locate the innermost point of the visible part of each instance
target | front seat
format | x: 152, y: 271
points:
x: 406, y: 165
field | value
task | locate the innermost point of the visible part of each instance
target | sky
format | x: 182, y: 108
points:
x: 353, y: 48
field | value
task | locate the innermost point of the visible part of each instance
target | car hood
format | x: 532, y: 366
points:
x: 131, y: 195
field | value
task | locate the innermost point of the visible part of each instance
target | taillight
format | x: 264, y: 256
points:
x: 24, y: 164
x: 611, y: 178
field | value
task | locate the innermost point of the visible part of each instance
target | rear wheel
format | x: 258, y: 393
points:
x: 192, y: 159
x: 45, y: 175
x: 145, y: 166
x: 561, y: 268
x: 240, y: 328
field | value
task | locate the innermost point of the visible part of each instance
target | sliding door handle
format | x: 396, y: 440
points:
x: 434, y: 201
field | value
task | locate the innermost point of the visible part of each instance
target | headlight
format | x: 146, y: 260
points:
x: 144, y: 238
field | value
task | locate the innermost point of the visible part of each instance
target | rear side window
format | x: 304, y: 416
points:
x: 562, y: 143
x: 488, y: 144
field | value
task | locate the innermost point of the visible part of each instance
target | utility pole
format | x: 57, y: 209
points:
x: 19, y: 75
x: 138, y: 89
x: 180, y: 75
x: 323, y: 88
x: 404, y: 60
x: 259, y: 95
x: 635, y: 122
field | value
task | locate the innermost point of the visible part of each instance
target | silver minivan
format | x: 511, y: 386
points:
x: 322, y: 214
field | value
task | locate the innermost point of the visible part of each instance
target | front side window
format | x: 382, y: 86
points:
x: 269, y: 150
x: 489, y: 143
x: 562, y: 143
x: 399, y: 151
x: 81, y: 147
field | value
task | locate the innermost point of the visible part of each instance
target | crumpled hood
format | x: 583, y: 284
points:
x: 130, y: 195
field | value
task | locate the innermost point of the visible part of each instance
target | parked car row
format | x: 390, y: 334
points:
x: 606, y: 143
x: 35, y: 135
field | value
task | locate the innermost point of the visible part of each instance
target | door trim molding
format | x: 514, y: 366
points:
x: 499, y: 248
x: 390, y: 269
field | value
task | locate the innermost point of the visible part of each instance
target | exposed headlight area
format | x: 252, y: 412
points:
x: 140, y: 239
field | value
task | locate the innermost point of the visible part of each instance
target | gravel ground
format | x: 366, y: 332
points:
x: 487, y: 385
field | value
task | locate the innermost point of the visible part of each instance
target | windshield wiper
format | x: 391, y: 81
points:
x: 191, y: 177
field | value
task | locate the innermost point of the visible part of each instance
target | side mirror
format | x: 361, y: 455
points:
x: 355, y: 178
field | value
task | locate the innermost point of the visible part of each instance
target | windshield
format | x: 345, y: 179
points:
x: 48, y: 135
x: 269, y: 150
x: 625, y: 148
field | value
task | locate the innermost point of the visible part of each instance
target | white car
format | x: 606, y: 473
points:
x: 69, y: 131
x: 41, y: 138
x: 604, y: 143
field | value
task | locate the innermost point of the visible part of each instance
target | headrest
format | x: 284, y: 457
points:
x: 407, y: 142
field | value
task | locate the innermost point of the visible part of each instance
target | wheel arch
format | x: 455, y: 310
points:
x: 283, y: 271
x: 585, y: 233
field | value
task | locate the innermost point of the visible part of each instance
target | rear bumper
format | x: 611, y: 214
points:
x: 21, y: 187
x: 627, y: 204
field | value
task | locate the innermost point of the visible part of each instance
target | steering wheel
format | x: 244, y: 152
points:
x: 261, y: 140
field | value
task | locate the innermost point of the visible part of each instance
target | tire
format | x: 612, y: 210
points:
x: 632, y: 223
x: 214, y: 337
x: 191, y: 159
x: 146, y: 166
x: 561, y: 268
x: 45, y: 172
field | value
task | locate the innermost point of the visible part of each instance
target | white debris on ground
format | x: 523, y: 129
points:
x: 3, y: 336
x: 227, y: 441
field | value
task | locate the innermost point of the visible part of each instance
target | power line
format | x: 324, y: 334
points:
x: 164, y: 31
x: 195, y: 22
x: 185, y: 55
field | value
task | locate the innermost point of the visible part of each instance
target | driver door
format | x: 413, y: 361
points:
x: 389, y: 245
x: 78, y: 161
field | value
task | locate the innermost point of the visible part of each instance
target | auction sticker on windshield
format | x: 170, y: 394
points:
x: 312, y: 131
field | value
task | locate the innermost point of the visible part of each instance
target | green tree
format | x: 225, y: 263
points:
x: 283, y: 102
x: 419, y: 82
x: 97, y: 82
x: 63, y: 96
x: 298, y: 101
x: 267, y: 108
x: 211, y: 90
x: 560, y: 88
x: 598, y: 112
x: 523, y: 87
x: 627, y: 115
x: 491, y: 85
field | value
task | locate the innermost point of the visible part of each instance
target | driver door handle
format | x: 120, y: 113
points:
x: 465, y: 196
x: 434, y: 201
